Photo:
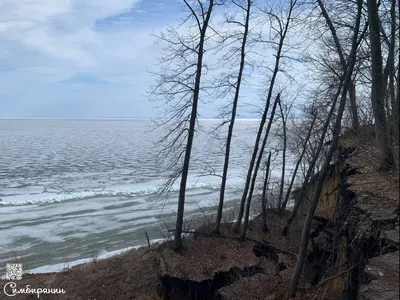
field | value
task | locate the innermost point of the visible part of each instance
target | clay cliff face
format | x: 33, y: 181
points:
x: 355, y: 238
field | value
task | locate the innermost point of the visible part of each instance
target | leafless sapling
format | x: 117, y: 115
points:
x: 299, y: 160
x: 264, y: 195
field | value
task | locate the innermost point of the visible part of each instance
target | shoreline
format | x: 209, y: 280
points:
x: 56, y: 268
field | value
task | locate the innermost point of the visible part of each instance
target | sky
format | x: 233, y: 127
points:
x: 81, y: 58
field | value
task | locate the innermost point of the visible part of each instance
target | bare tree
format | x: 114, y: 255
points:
x: 284, y: 116
x: 339, y: 48
x: 330, y: 68
x: 396, y: 106
x: 299, y: 160
x: 245, y: 25
x: 311, y: 166
x: 391, y: 73
x: 378, y: 89
x: 256, y: 167
x: 264, y: 195
x: 179, y: 85
x: 281, y: 32
x: 333, y: 147
x: 353, y: 106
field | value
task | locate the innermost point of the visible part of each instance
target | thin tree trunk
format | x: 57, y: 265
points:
x: 264, y: 196
x: 233, y: 116
x: 250, y: 170
x: 289, y: 190
x: 334, y: 35
x: 263, y: 119
x: 392, y: 70
x: 378, y: 90
x: 314, y: 202
x: 339, y: 49
x: 386, y: 88
x: 311, y: 167
x: 283, y: 158
x: 257, y: 166
x: 291, y: 291
x: 355, y: 122
x: 396, y: 107
x: 196, y: 91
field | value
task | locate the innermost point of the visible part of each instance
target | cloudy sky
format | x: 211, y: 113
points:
x: 81, y: 58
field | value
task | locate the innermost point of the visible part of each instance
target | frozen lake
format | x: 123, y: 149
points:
x: 77, y: 189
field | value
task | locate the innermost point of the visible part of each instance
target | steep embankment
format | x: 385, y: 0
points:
x: 356, y: 245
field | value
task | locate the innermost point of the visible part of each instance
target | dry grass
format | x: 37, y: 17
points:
x: 131, y: 275
x: 203, y: 258
x: 371, y: 181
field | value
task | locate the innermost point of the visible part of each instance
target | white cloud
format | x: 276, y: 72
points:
x: 50, y: 41
x: 35, y: 11
x: 10, y: 26
x: 58, y: 29
x: 46, y: 43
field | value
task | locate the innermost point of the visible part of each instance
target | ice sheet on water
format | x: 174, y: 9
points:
x: 66, y: 179
x: 146, y: 188
x: 103, y: 255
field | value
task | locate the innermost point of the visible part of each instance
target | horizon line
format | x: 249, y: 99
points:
x: 104, y: 118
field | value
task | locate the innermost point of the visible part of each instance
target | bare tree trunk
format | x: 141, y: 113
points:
x: 314, y: 202
x: 291, y: 291
x: 264, y: 116
x: 283, y: 158
x: 378, y: 89
x: 355, y: 122
x: 334, y: 34
x: 311, y: 167
x: 392, y: 71
x: 386, y: 88
x: 264, y: 196
x: 257, y: 166
x: 233, y: 116
x: 196, y: 91
x: 284, y: 204
x: 322, y: 139
x: 339, y: 49
x: 396, y: 107
x: 250, y: 170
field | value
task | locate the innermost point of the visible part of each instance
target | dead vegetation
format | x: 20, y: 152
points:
x: 131, y: 275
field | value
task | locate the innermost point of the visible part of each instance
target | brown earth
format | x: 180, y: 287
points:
x: 131, y: 275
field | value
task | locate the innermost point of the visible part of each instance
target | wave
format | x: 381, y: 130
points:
x: 24, y: 199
